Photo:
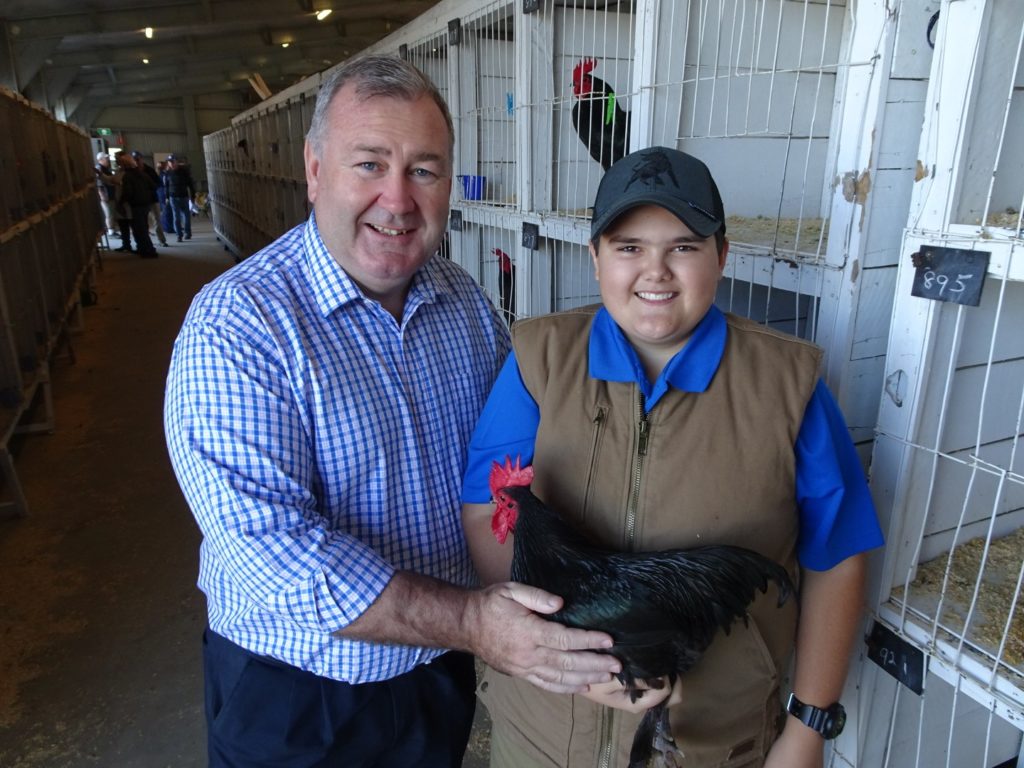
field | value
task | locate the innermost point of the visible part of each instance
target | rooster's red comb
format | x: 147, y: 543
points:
x: 507, y: 475
x: 584, y: 67
x: 504, y: 260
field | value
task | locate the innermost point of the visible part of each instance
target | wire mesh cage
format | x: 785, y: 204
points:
x: 593, y: 53
x: 953, y: 416
x: 755, y: 102
x: 574, y: 282
x: 497, y: 269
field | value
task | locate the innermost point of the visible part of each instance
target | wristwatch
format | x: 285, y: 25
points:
x: 828, y: 722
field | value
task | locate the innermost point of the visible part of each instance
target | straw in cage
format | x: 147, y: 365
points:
x: 997, y: 594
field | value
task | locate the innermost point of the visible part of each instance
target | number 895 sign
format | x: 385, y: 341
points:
x: 949, y: 274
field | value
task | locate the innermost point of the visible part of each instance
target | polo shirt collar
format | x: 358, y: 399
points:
x: 612, y: 357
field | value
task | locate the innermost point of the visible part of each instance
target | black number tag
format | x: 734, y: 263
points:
x: 897, y: 657
x: 949, y: 274
x: 531, y: 236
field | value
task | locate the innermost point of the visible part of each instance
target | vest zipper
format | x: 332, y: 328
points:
x: 595, y: 443
x: 643, y: 436
x: 604, y: 757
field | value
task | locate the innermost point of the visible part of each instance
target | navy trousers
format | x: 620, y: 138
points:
x: 182, y: 216
x: 263, y: 713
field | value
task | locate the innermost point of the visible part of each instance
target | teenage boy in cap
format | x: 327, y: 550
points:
x: 743, y: 445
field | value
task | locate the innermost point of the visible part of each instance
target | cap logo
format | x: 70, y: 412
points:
x: 651, y: 169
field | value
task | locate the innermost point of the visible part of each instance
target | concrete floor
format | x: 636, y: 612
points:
x: 100, y: 619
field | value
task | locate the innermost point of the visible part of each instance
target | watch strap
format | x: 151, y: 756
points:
x: 828, y: 722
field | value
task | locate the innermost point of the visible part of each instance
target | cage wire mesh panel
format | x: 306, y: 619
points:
x: 593, y: 69
x: 482, y: 51
x: 476, y: 53
x: 484, y: 189
x: 949, y: 460
x: 591, y: 63
x: 496, y: 244
x: 575, y: 285
x: 430, y: 56
x: 493, y: 55
x: 749, y: 88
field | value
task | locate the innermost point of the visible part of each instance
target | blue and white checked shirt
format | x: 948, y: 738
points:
x: 321, y: 446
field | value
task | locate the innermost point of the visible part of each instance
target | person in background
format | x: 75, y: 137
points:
x: 154, y: 208
x: 166, y: 214
x: 711, y: 429
x: 319, y: 403
x: 181, y: 191
x: 122, y: 209
x: 106, y: 188
x: 135, y: 200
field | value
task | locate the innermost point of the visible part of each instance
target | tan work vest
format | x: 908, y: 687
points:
x: 719, y: 468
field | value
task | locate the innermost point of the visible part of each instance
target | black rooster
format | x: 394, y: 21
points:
x: 506, y: 285
x: 597, y: 117
x: 662, y: 609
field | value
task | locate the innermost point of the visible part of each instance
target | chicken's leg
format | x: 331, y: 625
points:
x: 653, y: 745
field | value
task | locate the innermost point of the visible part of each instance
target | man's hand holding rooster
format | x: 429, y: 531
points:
x: 509, y: 636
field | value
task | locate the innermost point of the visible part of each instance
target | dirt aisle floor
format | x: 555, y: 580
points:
x: 100, y: 619
x: 99, y: 614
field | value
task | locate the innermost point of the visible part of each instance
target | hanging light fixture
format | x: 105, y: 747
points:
x: 321, y: 15
x: 149, y: 32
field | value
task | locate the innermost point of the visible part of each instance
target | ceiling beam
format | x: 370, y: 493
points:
x: 320, y: 55
x: 82, y: 62
x: 172, y: 17
x: 205, y: 48
x: 258, y: 85
x: 155, y: 88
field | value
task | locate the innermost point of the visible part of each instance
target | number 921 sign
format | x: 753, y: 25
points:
x: 949, y: 274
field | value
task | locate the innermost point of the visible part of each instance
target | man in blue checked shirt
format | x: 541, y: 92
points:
x: 319, y: 405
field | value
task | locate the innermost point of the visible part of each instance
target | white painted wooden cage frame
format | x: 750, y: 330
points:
x: 841, y: 144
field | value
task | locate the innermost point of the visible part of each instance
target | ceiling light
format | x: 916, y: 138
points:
x: 285, y: 45
x: 149, y: 32
x: 145, y: 61
x: 321, y: 15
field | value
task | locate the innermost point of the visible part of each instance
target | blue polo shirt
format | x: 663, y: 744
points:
x: 837, y: 515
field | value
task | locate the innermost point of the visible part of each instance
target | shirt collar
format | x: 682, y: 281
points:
x: 612, y: 357
x: 333, y: 288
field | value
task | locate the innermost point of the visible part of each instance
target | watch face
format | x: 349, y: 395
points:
x: 836, y: 721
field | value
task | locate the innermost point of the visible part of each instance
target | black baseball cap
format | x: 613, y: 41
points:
x: 171, y: 158
x: 136, y: 154
x: 674, y: 180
